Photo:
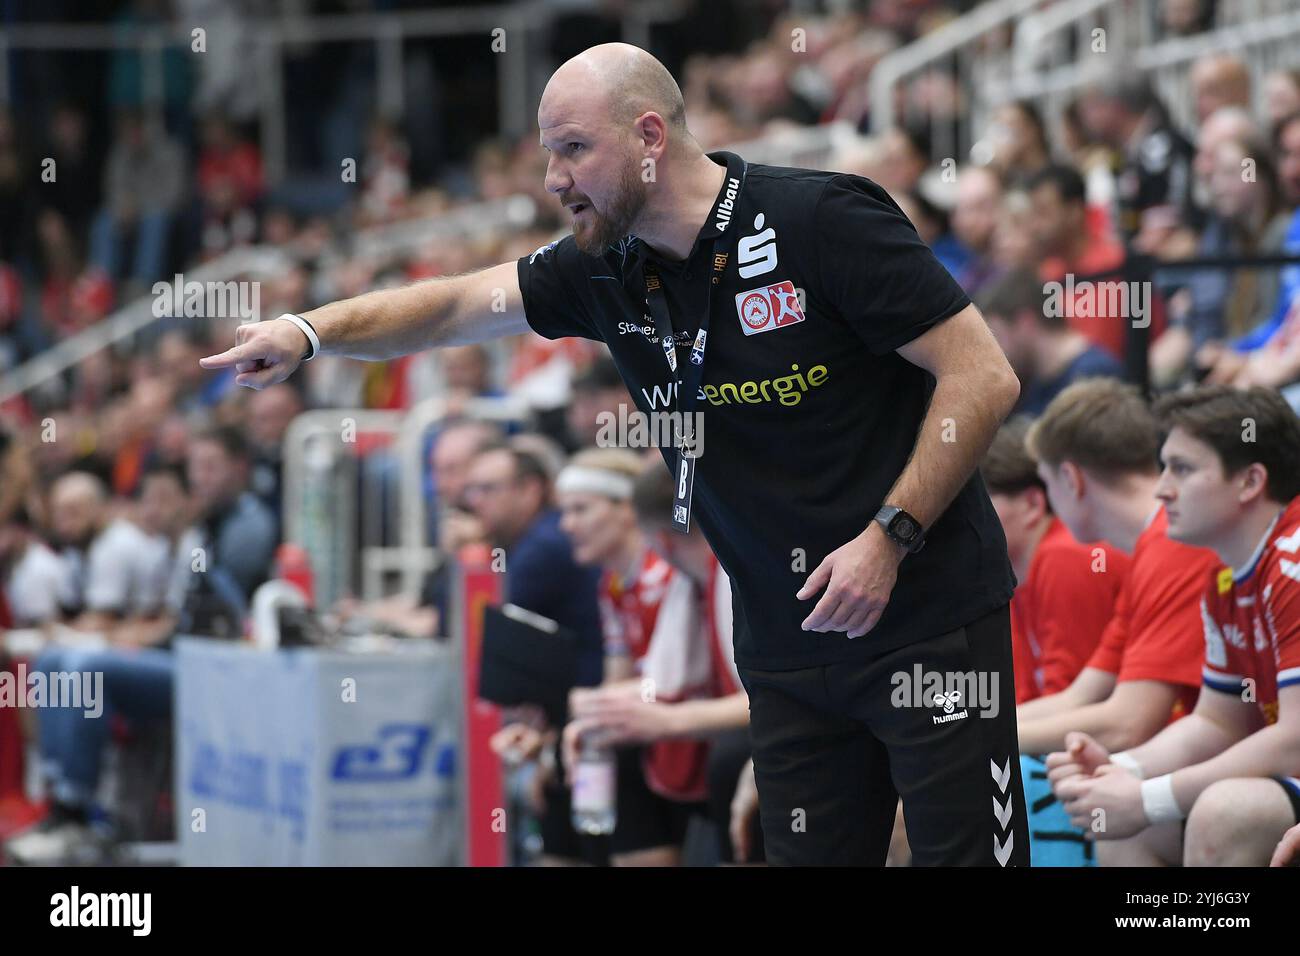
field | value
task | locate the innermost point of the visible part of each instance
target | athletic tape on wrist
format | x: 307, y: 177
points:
x: 312, y: 338
x: 1158, y: 799
x: 1122, y: 759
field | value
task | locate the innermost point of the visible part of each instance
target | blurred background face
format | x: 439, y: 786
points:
x: 451, y: 457
x: 269, y: 413
x: 75, y: 513
x: 492, y: 493
x: 214, y: 477
x: 163, y: 505
x: 466, y: 368
x: 1234, y: 197
x: 1200, y: 500
x: 1289, y: 162
x: 1013, y: 240
x: 1054, y: 222
x: 598, y: 526
x: 1281, y: 96
x: 978, y: 205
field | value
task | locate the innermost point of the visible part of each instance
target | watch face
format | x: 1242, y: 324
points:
x: 904, y: 527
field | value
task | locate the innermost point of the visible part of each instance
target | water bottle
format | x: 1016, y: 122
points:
x: 594, y: 787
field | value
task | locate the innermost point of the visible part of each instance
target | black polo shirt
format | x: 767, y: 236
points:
x: 809, y: 414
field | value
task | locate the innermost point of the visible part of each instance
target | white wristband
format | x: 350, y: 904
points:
x: 1158, y: 800
x: 1122, y: 759
x: 307, y: 330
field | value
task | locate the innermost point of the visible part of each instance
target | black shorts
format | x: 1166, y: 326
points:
x: 644, y: 819
x: 835, y: 746
x: 1292, y: 787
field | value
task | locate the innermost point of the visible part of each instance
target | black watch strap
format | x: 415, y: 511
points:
x: 901, y: 527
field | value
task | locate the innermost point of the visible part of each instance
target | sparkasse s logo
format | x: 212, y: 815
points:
x: 756, y: 255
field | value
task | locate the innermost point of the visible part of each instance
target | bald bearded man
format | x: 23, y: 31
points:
x: 851, y: 390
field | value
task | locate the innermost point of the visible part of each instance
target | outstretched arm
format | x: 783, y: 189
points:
x: 451, y: 310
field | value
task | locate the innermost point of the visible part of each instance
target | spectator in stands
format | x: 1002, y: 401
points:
x: 113, y: 570
x: 1087, y: 262
x: 454, y: 527
x: 230, y: 183
x: 1219, y: 80
x: 1269, y: 354
x: 15, y: 191
x: 1014, y: 244
x: 1246, y: 218
x: 1281, y: 97
x: 144, y: 185
x: 906, y: 155
x: 1096, y: 450
x: 31, y: 575
x: 1154, y: 159
x: 270, y: 413
x: 1046, y: 353
x: 1230, y: 770
x: 234, y: 539
x: 1067, y: 590
x: 509, y: 491
x: 595, y: 391
x: 1181, y: 18
x: 1018, y: 137
x: 974, y: 221
x: 74, y: 190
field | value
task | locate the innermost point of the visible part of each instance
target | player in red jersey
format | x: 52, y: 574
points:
x: 1231, y: 483
x: 1067, y: 590
x: 1097, y: 451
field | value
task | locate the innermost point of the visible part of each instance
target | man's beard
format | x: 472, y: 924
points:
x: 602, y: 231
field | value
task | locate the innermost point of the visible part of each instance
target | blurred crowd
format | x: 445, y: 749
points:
x: 116, y: 472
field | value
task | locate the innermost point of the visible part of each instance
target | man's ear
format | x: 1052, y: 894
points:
x: 1254, y: 481
x: 1074, y: 478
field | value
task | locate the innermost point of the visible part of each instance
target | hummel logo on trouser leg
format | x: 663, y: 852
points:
x: 1001, y: 850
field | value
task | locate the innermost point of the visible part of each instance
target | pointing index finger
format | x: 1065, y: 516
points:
x: 229, y: 357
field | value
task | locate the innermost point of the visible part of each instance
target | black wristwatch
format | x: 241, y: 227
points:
x: 901, y: 527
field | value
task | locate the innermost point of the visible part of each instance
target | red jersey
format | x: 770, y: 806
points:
x: 1156, y: 631
x: 1060, y: 610
x: 1252, y: 619
x: 655, y: 619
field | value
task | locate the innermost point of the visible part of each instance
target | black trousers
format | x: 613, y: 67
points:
x: 836, y: 746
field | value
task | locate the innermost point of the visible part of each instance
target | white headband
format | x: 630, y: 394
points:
x: 594, y: 481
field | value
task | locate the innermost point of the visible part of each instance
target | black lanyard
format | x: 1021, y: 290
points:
x: 685, y: 387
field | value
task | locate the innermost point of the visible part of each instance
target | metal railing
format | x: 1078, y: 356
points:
x: 355, y: 549
x: 1266, y: 43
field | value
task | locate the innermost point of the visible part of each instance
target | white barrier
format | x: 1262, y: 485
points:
x: 304, y: 757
